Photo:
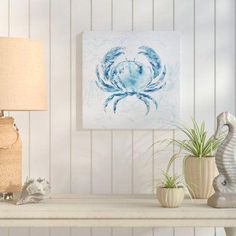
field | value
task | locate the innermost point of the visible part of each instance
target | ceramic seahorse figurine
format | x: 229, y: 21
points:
x: 225, y: 183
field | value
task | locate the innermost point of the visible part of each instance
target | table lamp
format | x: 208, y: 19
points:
x: 22, y: 88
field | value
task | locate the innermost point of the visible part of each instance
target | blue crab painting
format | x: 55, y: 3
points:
x: 131, y: 77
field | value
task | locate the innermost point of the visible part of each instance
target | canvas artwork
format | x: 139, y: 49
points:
x: 130, y: 80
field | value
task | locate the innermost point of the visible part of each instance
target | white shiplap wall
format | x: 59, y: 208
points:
x: 116, y: 162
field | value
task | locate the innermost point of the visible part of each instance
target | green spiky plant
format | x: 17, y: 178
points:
x: 171, y: 190
x: 196, y: 142
x: 171, y: 180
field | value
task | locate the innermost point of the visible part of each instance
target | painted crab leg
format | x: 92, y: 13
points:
x: 117, y: 101
x: 155, y: 89
x: 145, y: 101
x: 150, y: 98
x: 108, y: 100
x: 118, y: 84
x: 160, y: 79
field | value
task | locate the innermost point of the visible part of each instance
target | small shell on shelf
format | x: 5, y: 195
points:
x: 33, y: 191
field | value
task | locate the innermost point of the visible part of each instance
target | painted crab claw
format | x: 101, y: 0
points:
x: 104, y: 85
x: 153, y: 59
x: 109, y: 59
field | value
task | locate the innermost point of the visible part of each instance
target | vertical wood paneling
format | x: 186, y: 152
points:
x: 19, y: 16
x: 60, y: 95
x: 60, y: 231
x: 184, y: 231
x: 101, y: 140
x: 163, y: 20
x: 80, y: 232
x: 142, y: 140
x: 39, y: 232
x: 19, y: 27
x: 163, y: 15
x: 122, y: 232
x: 4, y: 232
x: 122, y: 162
x: 142, y: 11
x: 142, y: 162
x: 204, y: 59
x: 101, y: 14
x: 101, y: 145
x: 204, y: 231
x: 122, y: 140
x: 4, y: 17
x: 122, y: 15
x: 162, y: 152
x: 224, y: 61
x: 18, y: 232
x: 81, y: 140
x: 204, y: 72
x: 164, y: 232
x: 142, y: 232
x: 81, y: 163
x: 101, y: 231
x: 114, y: 157
x: 178, y: 170
x: 184, y: 23
x: 220, y: 232
x: 4, y: 32
x: 225, y: 54
x: 39, y: 121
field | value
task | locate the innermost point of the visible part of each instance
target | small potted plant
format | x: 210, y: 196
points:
x: 170, y: 192
x: 199, y: 166
x: 171, y: 189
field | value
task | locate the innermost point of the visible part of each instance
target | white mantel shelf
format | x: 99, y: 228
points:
x: 113, y: 211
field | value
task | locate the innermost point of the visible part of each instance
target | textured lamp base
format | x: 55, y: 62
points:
x: 10, y: 156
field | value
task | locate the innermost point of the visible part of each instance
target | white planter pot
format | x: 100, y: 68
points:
x: 170, y: 197
x: 199, y: 175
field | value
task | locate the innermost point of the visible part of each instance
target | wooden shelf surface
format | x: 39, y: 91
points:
x: 112, y: 211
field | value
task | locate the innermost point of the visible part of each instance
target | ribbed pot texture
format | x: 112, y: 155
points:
x: 170, y: 197
x: 199, y: 174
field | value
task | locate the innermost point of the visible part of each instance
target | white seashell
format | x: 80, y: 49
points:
x: 34, y: 191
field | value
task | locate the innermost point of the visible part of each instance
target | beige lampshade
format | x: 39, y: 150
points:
x: 22, y: 77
